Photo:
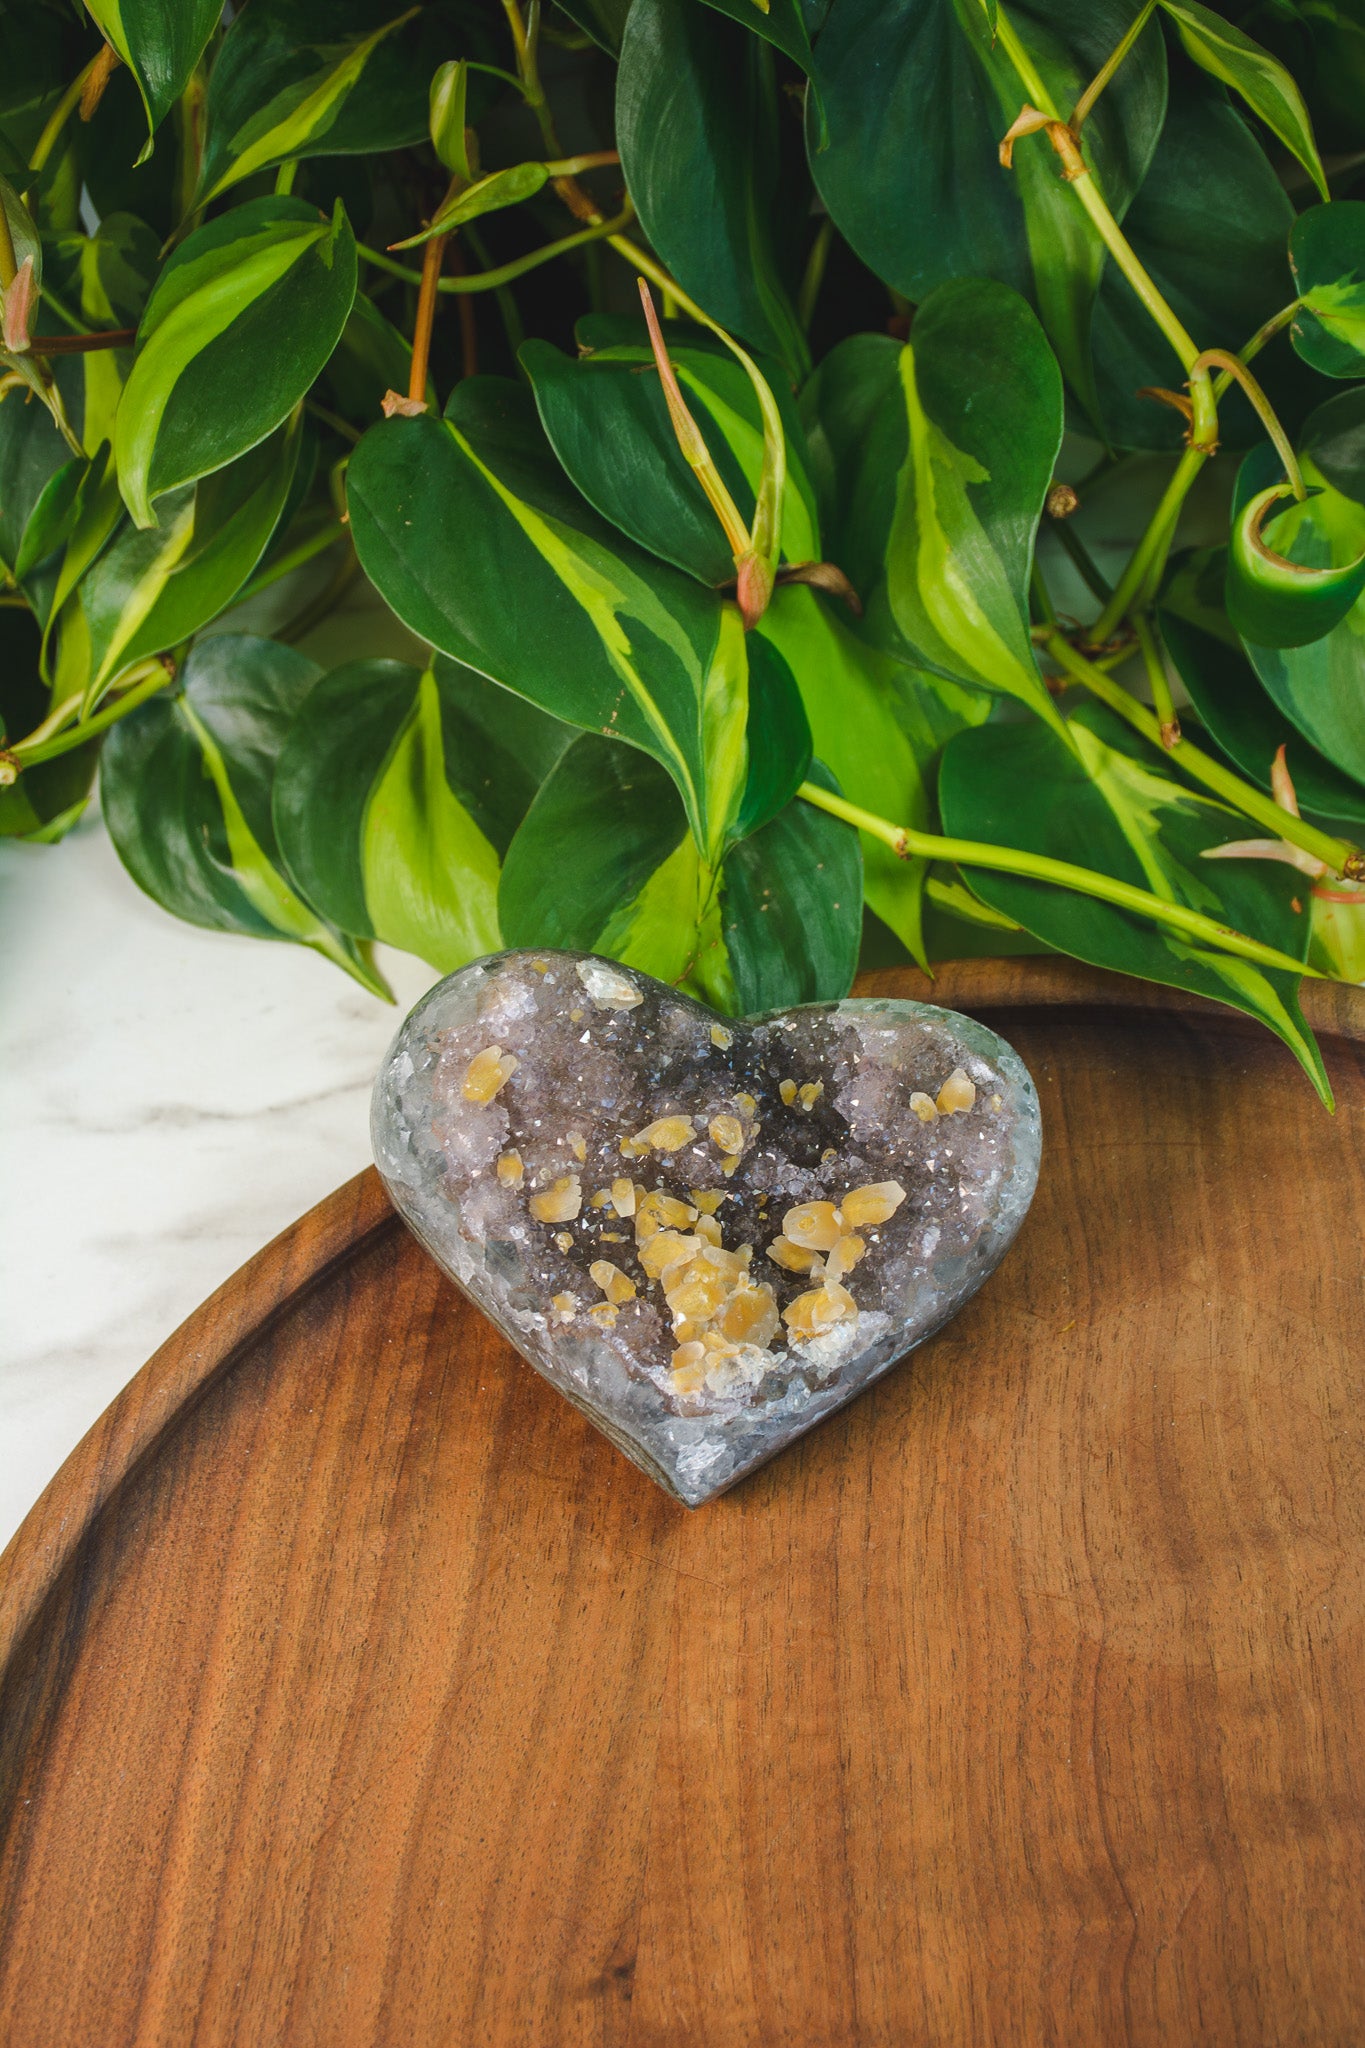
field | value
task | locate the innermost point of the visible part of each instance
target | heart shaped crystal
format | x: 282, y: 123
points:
x: 707, y: 1235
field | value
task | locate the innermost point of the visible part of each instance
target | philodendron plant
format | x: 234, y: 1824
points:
x: 794, y: 479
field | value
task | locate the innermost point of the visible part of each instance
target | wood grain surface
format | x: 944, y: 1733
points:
x: 354, y: 1692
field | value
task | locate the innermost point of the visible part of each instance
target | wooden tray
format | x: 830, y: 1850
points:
x: 353, y: 1691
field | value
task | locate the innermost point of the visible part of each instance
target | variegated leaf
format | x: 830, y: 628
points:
x: 147, y: 590
x: 185, y: 782
x: 395, y: 795
x: 1259, y: 79
x: 476, y: 540
x: 242, y: 319
x: 1105, y: 803
x: 608, y: 422
x: 289, y: 82
x: 160, y: 41
x: 939, y: 455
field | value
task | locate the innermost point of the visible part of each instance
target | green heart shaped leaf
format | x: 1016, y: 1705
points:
x: 1107, y: 805
x: 793, y: 909
x: 290, y: 82
x: 779, y: 735
x: 697, y: 128
x: 604, y: 863
x: 479, y: 544
x: 396, y: 794
x: 1327, y: 252
x: 242, y: 319
x: 878, y: 725
x: 1259, y: 79
x: 945, y: 449
x: 148, y: 590
x: 608, y: 423
x: 1235, y: 710
x: 916, y: 95
x: 185, y: 782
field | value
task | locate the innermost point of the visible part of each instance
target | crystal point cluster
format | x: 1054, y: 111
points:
x: 707, y: 1235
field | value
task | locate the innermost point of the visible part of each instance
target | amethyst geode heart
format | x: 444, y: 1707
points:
x: 709, y: 1235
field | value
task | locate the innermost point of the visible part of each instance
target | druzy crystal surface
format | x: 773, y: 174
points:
x: 709, y: 1235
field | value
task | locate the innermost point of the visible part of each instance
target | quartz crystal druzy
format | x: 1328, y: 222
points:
x: 708, y: 1235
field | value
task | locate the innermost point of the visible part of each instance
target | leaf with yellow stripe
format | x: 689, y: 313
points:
x: 301, y: 78
x: 607, y: 419
x: 481, y: 546
x: 1105, y: 803
x: 396, y: 794
x: 241, y: 320
x: 186, y: 782
x: 941, y: 453
x: 604, y: 863
x: 1259, y: 79
x: 141, y: 592
x: 160, y: 41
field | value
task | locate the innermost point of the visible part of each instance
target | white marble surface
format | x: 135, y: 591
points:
x: 170, y: 1099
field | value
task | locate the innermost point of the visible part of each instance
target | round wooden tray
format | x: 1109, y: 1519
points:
x: 354, y: 1691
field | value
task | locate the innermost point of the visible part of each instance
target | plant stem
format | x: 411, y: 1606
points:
x: 1143, y: 570
x: 495, y: 71
x: 814, y: 274
x: 1081, y: 559
x: 62, y: 112
x: 333, y: 420
x: 60, y: 715
x: 1268, y: 332
x: 1138, y: 583
x: 1340, y: 856
x: 1123, y: 252
x: 1042, y: 597
x: 507, y: 305
x: 907, y: 844
x: 1082, y: 109
x: 426, y: 317
x: 1233, y: 367
x: 469, y: 334
x: 306, y: 551
x: 82, y: 344
x: 141, y: 683
x: 1077, y: 173
x: 284, y: 178
x: 525, y: 38
x: 491, y: 280
x: 655, y: 272
x: 1163, y: 703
